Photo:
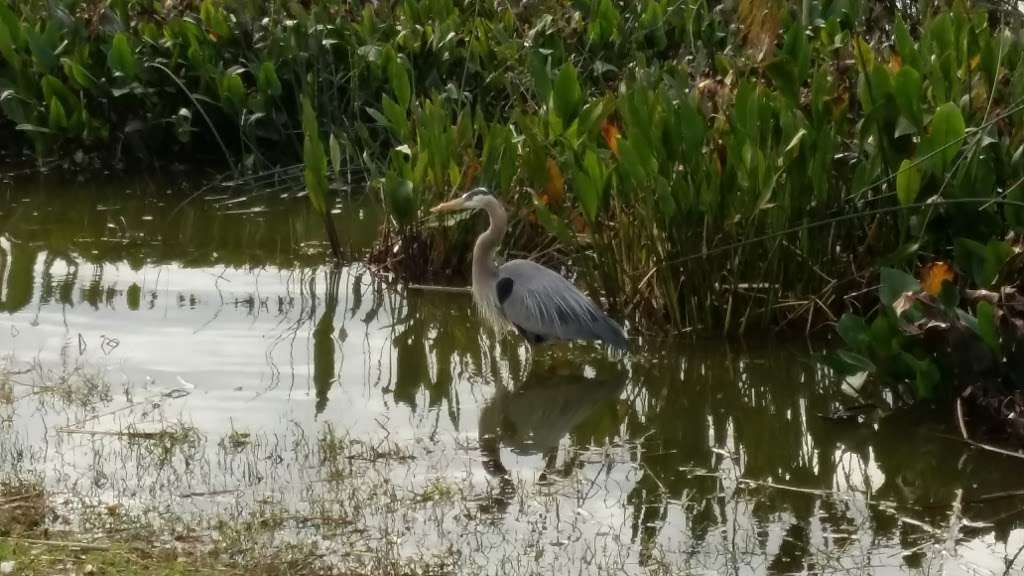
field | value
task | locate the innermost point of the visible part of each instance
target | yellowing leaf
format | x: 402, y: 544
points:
x: 933, y: 275
x: 555, y: 185
x: 611, y: 136
x: 469, y: 173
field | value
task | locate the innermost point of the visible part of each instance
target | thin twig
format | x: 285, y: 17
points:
x: 35, y: 542
x: 960, y: 418
x: 450, y: 289
x: 987, y: 447
x: 816, y: 491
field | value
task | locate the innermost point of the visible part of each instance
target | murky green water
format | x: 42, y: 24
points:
x: 379, y: 421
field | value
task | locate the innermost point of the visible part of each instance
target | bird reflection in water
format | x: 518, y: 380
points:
x: 534, y: 416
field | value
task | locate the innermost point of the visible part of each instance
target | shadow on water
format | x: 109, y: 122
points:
x: 714, y: 451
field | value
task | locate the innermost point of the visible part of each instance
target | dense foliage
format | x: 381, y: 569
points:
x: 706, y: 164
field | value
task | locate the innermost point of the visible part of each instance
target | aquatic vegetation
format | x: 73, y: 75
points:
x: 695, y: 161
x: 945, y: 338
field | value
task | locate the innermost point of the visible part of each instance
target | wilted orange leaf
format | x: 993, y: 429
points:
x: 934, y: 274
x: 611, y: 136
x: 579, y: 224
x: 895, y: 62
x: 469, y: 173
x: 555, y: 185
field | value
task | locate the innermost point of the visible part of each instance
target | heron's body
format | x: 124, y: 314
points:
x: 537, y: 302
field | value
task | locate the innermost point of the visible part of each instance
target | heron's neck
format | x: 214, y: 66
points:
x: 485, y: 271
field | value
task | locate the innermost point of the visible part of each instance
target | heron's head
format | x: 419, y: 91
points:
x: 472, y: 200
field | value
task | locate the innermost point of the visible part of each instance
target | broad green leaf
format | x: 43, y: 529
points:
x: 553, y: 224
x: 58, y: 119
x: 42, y: 51
x: 335, y: 148
x: 11, y: 24
x: 232, y: 93
x: 8, y: 49
x: 313, y: 156
x: 926, y: 376
x: 988, y: 327
x: 538, y: 65
x: 54, y: 88
x: 589, y: 185
x: 214, y: 18
x: 121, y: 59
x: 18, y: 108
x: 398, y: 77
x: 267, y: 81
x: 894, y: 283
x: 854, y: 331
x: 907, y: 89
x: 396, y: 117
x: 984, y: 261
x: 568, y: 95
x: 400, y: 199
x: 905, y: 44
x: 604, y: 23
x: 499, y: 159
x: 857, y: 361
x: 33, y: 128
x: 908, y: 182
x: 946, y: 132
x: 80, y: 75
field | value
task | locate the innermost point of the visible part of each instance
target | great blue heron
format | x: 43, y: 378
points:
x: 537, y: 301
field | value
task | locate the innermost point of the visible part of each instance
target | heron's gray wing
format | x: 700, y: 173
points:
x: 539, y: 301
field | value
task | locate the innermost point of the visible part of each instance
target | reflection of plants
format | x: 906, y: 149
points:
x: 635, y: 134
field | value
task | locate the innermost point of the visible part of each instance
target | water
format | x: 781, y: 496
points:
x: 198, y: 370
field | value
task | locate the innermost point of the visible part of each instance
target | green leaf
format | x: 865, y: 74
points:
x: 857, y: 361
x: 946, y: 132
x: 907, y: 89
x: 335, y: 148
x: 54, y: 88
x: 589, y: 185
x: 121, y: 59
x: 949, y: 296
x: 8, y: 49
x: 395, y: 116
x: 538, y: 64
x: 908, y: 182
x: 398, y: 77
x: 984, y: 261
x: 42, y: 51
x: 58, y: 119
x: 33, y: 128
x: 267, y: 81
x: 553, y: 224
x: 232, y: 93
x: 313, y: 156
x: 568, y: 95
x: 604, y: 23
x: 894, y: 283
x: 926, y: 376
x: 80, y: 75
x: 905, y: 44
x: 854, y: 331
x: 400, y: 200
x: 214, y: 18
x: 988, y: 327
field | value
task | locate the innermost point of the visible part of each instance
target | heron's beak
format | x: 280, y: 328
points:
x: 449, y: 206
